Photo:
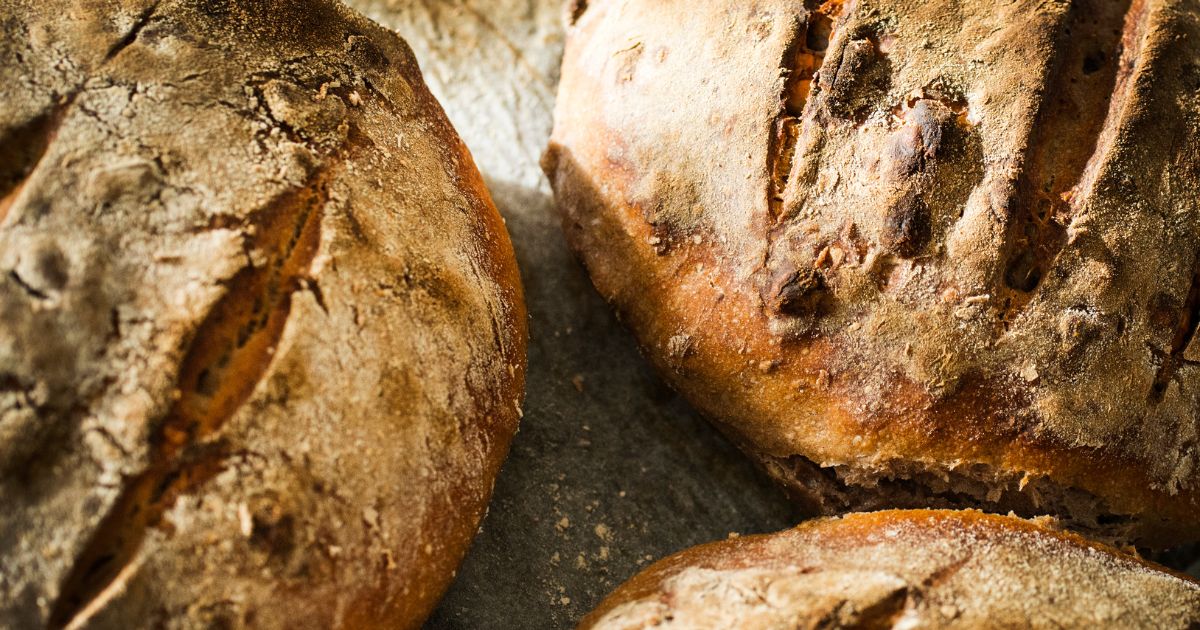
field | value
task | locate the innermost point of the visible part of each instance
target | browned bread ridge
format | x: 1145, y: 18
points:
x: 908, y: 252
x: 903, y: 569
x: 262, y: 338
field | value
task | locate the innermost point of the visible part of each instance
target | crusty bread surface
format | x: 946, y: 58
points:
x: 903, y: 569
x: 262, y: 338
x: 908, y: 253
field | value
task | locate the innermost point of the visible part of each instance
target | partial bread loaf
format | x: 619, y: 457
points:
x: 903, y: 569
x: 908, y: 252
x: 262, y: 339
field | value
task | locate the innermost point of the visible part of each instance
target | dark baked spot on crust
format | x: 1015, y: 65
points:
x: 797, y: 292
x: 575, y: 11
x: 909, y: 158
x: 903, y: 154
x: 860, y: 77
x: 857, y: 73
x: 272, y: 527
x: 1024, y: 271
x: 1094, y: 61
x: 906, y: 226
x: 1187, y: 320
x: 913, y: 147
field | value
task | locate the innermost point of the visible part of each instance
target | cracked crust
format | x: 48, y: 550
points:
x: 262, y: 339
x: 899, y: 240
x: 903, y: 569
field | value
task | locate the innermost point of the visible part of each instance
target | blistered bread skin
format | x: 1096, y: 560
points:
x: 262, y: 337
x: 908, y: 253
x: 903, y: 569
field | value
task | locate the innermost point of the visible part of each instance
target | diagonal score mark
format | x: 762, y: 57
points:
x: 228, y: 356
x: 803, y: 57
x: 1083, y: 105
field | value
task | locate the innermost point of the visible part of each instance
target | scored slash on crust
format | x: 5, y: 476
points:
x: 231, y: 351
x: 1069, y: 146
x: 801, y: 61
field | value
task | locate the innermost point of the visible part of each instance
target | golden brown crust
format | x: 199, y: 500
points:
x: 262, y: 337
x: 958, y: 257
x: 918, y: 568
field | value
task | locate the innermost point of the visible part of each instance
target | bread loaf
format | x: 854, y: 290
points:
x: 903, y: 569
x: 908, y: 253
x: 262, y: 339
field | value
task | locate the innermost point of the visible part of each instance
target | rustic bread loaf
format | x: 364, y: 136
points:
x: 262, y: 339
x: 903, y: 569
x: 908, y: 253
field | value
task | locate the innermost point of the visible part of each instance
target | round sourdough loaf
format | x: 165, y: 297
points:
x: 262, y: 339
x: 903, y: 569
x: 908, y: 253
